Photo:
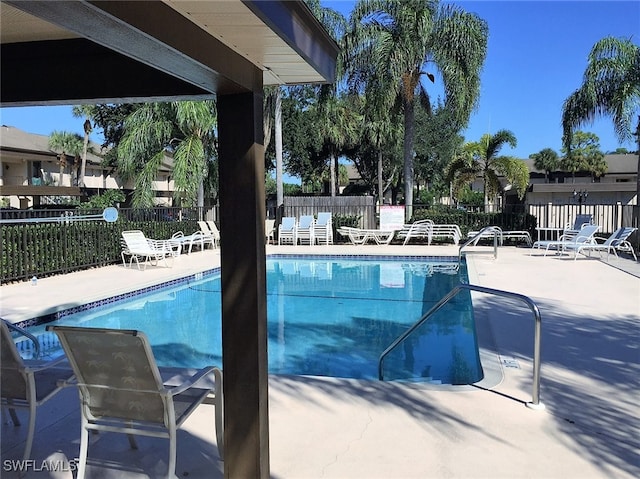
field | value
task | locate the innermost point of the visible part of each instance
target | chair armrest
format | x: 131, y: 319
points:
x: 173, y: 390
x: 34, y: 366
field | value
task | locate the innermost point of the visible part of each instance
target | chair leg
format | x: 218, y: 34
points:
x: 31, y: 429
x: 171, y: 472
x: 84, y: 449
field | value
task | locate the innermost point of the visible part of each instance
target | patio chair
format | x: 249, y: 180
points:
x: 304, y: 231
x: 323, y: 229
x: 27, y: 384
x: 287, y: 230
x: 417, y: 229
x: 572, y: 230
x: 362, y: 236
x: 209, y: 236
x: 614, y: 243
x: 121, y: 389
x: 138, y: 246
x: 585, y: 236
x: 269, y: 230
x: 215, y: 232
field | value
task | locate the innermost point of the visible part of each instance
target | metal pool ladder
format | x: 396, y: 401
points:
x: 486, y: 229
x: 535, y: 401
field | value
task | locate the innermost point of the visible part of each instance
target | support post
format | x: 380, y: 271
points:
x: 244, y: 310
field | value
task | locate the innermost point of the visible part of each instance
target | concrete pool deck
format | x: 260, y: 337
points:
x: 337, y: 428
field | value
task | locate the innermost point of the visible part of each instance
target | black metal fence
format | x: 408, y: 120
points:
x: 47, y: 242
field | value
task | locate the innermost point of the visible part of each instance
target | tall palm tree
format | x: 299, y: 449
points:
x: 546, y: 160
x: 335, y: 122
x: 481, y: 159
x: 611, y: 87
x: 338, y: 122
x: 404, y: 37
x: 85, y: 111
x: 184, y: 129
x: 65, y: 143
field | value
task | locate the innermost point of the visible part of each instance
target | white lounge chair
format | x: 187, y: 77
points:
x: 269, y: 230
x: 502, y: 235
x: 362, y: 236
x: 616, y: 242
x: 304, y: 230
x: 138, y: 246
x: 585, y: 236
x: 209, y: 236
x: 323, y: 229
x: 215, y: 232
x: 122, y: 390
x: 421, y: 229
x: 27, y: 384
x: 572, y: 229
x: 287, y: 230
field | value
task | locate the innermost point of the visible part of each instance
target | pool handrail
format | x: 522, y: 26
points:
x: 535, y: 402
x: 26, y: 334
x: 486, y: 229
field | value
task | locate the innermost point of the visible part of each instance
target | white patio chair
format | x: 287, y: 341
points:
x: 323, y: 229
x: 287, y: 231
x: 584, y: 237
x: 304, y: 230
x: 614, y: 243
x: 27, y: 384
x: 138, y: 246
x: 121, y: 389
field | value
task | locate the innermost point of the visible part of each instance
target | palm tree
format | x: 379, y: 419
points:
x: 609, y: 88
x: 402, y: 37
x: 85, y: 111
x: 185, y: 130
x: 65, y: 143
x: 338, y: 122
x: 480, y: 159
x: 335, y: 120
x: 546, y: 160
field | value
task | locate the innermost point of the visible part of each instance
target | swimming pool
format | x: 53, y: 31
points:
x: 327, y: 316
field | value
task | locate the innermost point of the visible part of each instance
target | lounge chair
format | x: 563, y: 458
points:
x: 27, y: 384
x: 616, y: 242
x: 304, y: 230
x: 269, y: 230
x: 122, y: 390
x: 180, y: 242
x: 215, y: 232
x: 362, y: 236
x: 287, y: 230
x: 585, y: 236
x: 323, y: 228
x: 208, y: 235
x: 571, y: 230
x: 138, y: 246
x: 421, y: 229
x: 502, y: 235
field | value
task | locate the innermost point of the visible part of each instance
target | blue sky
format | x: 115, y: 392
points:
x: 536, y: 58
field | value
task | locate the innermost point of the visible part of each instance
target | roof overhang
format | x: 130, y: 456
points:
x: 65, y: 52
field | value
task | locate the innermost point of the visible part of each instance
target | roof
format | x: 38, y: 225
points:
x: 618, y: 163
x: 166, y: 49
x: 14, y: 139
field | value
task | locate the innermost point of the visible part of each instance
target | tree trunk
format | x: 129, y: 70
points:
x: 278, y: 139
x: 408, y: 158
x: 332, y: 170
x: 83, y: 166
x: 636, y: 208
x: 380, y: 186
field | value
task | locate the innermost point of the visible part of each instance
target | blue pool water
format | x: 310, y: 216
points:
x: 326, y: 317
